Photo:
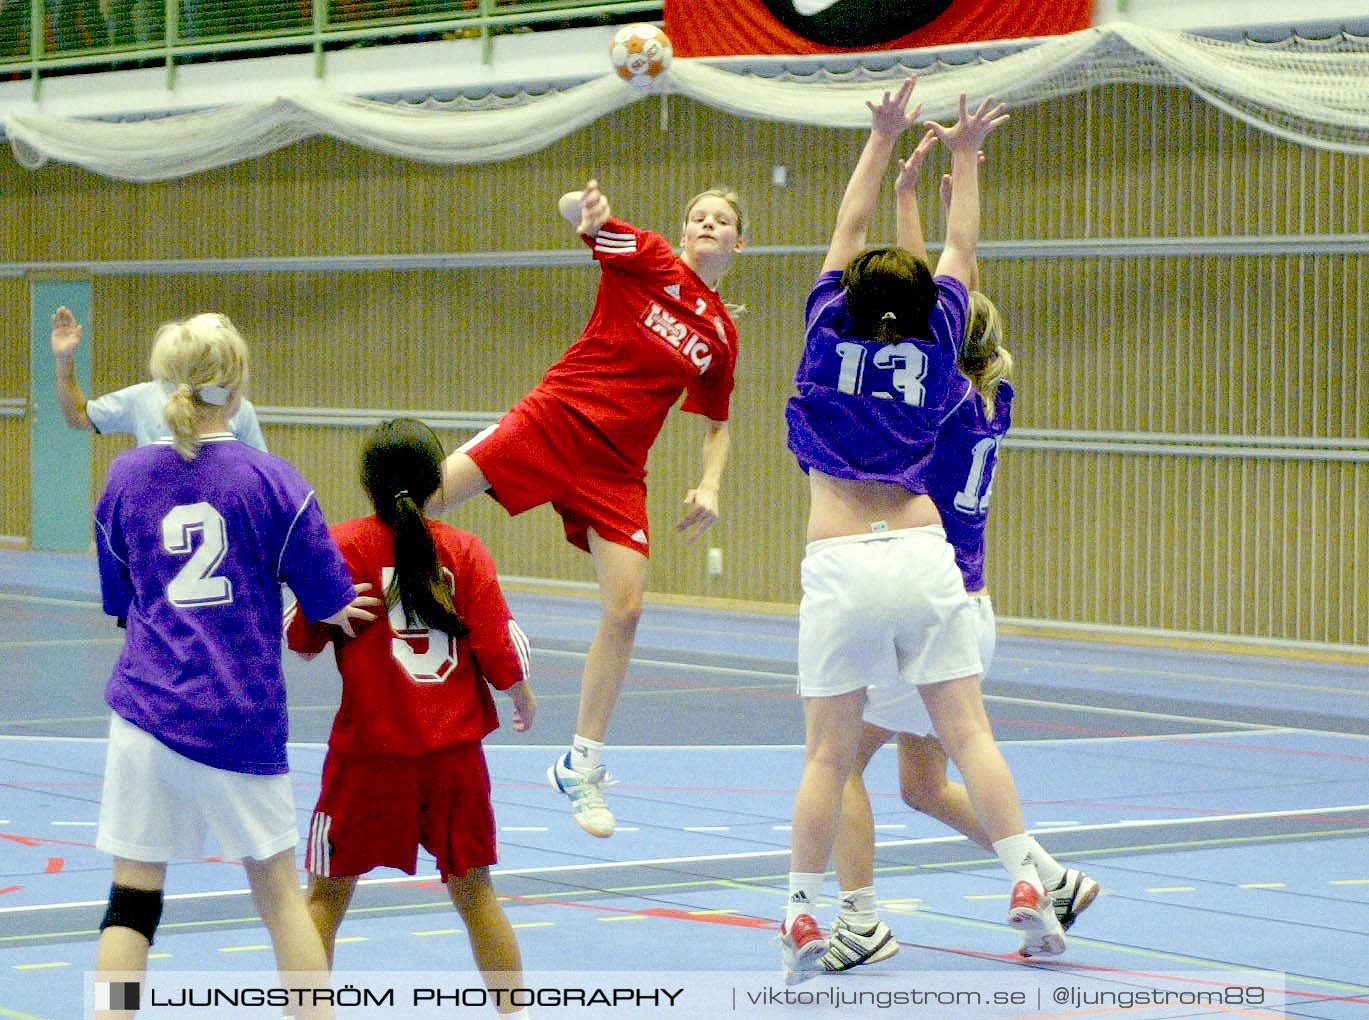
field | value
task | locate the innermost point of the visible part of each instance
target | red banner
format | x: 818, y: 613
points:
x: 724, y: 28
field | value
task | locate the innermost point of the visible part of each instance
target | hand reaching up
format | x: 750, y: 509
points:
x: 66, y: 333
x: 910, y: 169
x: 890, y: 117
x: 969, y: 132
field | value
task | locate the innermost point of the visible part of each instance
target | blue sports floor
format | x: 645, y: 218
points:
x: 1222, y: 802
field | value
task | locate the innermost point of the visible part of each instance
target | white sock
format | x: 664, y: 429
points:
x: 1016, y: 854
x: 804, y: 889
x: 1052, y: 872
x: 859, y: 908
x: 521, y: 1014
x: 585, y: 753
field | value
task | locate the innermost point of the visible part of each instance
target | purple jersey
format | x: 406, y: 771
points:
x: 868, y: 410
x: 193, y: 555
x: 960, y: 477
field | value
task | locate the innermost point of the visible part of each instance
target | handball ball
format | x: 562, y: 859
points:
x: 640, y: 54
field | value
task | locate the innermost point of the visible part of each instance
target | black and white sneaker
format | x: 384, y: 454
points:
x: 849, y: 947
x: 1069, y: 899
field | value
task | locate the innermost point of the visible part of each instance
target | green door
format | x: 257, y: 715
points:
x: 60, y: 459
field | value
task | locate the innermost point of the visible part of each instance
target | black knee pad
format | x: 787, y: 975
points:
x: 139, y: 909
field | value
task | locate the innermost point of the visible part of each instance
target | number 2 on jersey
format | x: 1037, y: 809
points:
x: 196, y: 584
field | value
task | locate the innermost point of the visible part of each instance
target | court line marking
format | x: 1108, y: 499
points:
x: 321, y: 746
x: 1181, y: 675
x: 752, y: 886
x: 656, y: 862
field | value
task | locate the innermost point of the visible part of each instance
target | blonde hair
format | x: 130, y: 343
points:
x: 983, y: 358
x: 727, y: 195
x: 205, y: 359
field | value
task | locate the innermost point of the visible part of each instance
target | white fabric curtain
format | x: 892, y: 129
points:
x: 1313, y: 92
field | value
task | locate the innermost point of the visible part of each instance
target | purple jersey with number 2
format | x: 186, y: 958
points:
x: 193, y: 555
x: 871, y: 411
x: 960, y: 477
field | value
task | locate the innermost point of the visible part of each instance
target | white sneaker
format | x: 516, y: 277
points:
x: 849, y: 947
x: 585, y: 790
x: 1033, y: 914
x: 1069, y: 899
x: 801, y: 949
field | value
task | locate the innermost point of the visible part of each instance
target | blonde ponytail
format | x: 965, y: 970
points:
x: 204, y: 359
x: 983, y: 358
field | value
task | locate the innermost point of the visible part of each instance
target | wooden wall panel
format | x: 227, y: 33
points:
x: 1233, y: 346
x: 15, y: 383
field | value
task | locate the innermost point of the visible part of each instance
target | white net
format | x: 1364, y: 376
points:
x: 1311, y: 91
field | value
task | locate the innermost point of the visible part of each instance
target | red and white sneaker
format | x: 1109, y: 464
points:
x: 1069, y: 899
x: 1033, y: 914
x: 801, y: 949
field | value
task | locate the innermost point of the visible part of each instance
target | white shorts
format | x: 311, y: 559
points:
x: 157, y: 805
x: 900, y: 708
x: 883, y: 609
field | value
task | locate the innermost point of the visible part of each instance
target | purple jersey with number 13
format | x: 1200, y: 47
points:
x: 193, y: 555
x: 960, y: 477
x: 871, y: 411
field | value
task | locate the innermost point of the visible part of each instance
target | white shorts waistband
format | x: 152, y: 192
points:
x: 927, y: 530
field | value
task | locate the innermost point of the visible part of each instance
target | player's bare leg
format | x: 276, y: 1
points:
x: 579, y: 775
x: 328, y: 902
x: 493, y: 943
x: 924, y: 786
x: 122, y: 953
x: 300, y: 958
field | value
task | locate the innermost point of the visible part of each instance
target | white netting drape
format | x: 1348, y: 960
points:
x: 1313, y: 92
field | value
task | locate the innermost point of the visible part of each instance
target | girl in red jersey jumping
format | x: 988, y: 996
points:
x: 405, y: 764
x: 579, y: 439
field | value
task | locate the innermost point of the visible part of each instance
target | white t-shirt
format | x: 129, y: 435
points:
x: 137, y: 411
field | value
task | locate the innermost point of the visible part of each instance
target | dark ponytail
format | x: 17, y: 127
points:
x: 401, y: 466
x: 889, y: 293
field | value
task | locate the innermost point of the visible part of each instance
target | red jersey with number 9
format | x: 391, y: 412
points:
x: 657, y: 330
x: 412, y: 690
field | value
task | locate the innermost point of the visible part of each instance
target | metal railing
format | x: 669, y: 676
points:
x: 41, y: 38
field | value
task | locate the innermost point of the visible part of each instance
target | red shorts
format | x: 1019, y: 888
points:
x: 542, y: 452
x: 375, y: 809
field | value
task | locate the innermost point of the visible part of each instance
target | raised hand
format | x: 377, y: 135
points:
x: 66, y: 333
x: 972, y: 128
x: 910, y: 169
x: 594, y: 210
x: 890, y: 117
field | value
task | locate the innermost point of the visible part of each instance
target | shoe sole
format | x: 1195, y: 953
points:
x: 807, y: 962
x: 1049, y: 944
x: 596, y: 832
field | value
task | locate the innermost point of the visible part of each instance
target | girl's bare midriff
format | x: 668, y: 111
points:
x: 841, y: 506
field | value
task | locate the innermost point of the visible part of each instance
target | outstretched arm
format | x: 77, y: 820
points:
x: 889, y: 118
x: 586, y: 210
x: 701, y: 502
x: 964, y: 139
x: 66, y: 337
x: 946, y: 190
x: 907, y: 216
